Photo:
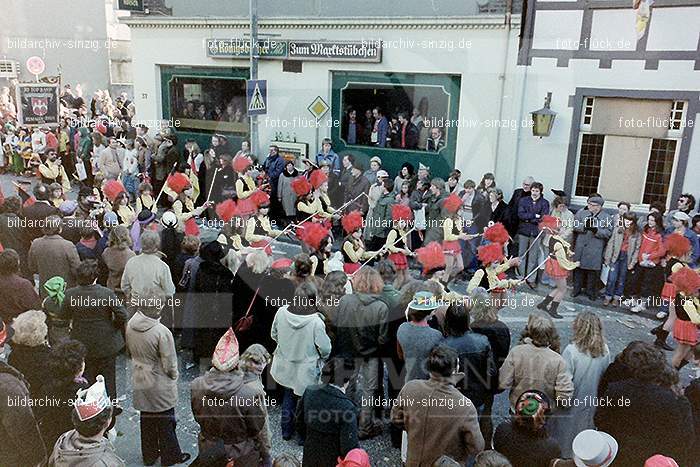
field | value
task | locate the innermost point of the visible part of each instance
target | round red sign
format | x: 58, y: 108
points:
x: 35, y: 65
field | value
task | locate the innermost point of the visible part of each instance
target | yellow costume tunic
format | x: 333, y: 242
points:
x: 146, y: 202
x: 183, y: 212
x: 53, y: 171
x: 258, y: 229
x: 245, y: 186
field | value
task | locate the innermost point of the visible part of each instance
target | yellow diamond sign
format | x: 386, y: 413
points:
x: 318, y: 107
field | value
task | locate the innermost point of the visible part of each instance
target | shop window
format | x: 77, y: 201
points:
x: 589, y: 164
x: 377, y: 111
x: 209, y: 104
x: 663, y: 155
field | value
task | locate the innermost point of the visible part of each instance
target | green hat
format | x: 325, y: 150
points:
x: 423, y: 301
x: 56, y: 288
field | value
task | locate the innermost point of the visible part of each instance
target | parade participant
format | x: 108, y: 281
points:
x: 86, y: 443
x: 245, y: 183
x: 677, y: 249
x: 687, y: 306
x: 307, y: 204
x: 354, y: 247
x: 557, y: 266
x: 118, y: 202
x: 494, y: 269
x: 51, y: 171
x: 325, y: 213
x: 453, y: 232
x: 183, y: 206
x: 56, y: 193
x: 145, y: 200
x: 396, y: 240
x: 432, y: 258
x: 232, y: 230
x: 259, y: 232
x: 191, y: 176
x: 317, y: 238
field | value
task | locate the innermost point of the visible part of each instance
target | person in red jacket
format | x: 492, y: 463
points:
x: 648, y: 273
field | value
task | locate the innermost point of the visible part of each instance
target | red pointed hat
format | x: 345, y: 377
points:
x: 490, y: 253
x: 318, y: 178
x: 497, y: 233
x: 677, y: 245
x: 686, y: 280
x: 282, y: 263
x: 112, y: 188
x: 431, y: 257
x: 301, y: 186
x: 351, y: 222
x: 226, y: 352
x: 260, y: 199
x: 226, y: 210
x: 550, y: 223
x: 241, y: 163
x: 452, y: 203
x: 312, y: 234
x: 401, y: 212
x: 178, y: 182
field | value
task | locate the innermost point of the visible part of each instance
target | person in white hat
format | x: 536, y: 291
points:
x: 86, y: 443
x: 375, y: 164
x: 594, y: 449
x: 680, y: 223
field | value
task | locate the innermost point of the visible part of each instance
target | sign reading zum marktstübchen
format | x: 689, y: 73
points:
x: 336, y: 51
x: 240, y: 48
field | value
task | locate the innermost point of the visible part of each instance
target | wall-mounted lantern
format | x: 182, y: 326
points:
x: 543, y: 119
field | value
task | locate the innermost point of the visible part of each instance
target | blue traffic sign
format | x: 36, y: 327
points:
x: 256, y: 96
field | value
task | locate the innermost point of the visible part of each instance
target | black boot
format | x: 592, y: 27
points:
x: 683, y: 363
x: 553, y: 311
x: 660, y: 341
x: 656, y: 330
x: 544, y: 303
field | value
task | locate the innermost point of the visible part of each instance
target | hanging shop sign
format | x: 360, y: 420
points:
x: 332, y: 51
x: 131, y: 5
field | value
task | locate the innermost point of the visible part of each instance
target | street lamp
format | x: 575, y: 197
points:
x: 543, y: 119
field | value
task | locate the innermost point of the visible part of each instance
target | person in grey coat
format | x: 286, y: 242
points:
x: 154, y: 379
x: 592, y: 227
x: 433, y: 211
x: 285, y: 193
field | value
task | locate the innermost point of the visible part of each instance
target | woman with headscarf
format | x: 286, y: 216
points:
x: 30, y: 351
x: 59, y: 327
x: 523, y: 439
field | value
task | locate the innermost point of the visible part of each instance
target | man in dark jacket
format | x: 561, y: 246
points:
x: 362, y: 330
x: 10, y: 233
x: 326, y: 418
x: 513, y: 221
x: 98, y: 318
x: 35, y: 214
x: 22, y: 445
x: 407, y: 134
x: 273, y: 166
x: 224, y: 185
x: 357, y: 185
x: 531, y: 209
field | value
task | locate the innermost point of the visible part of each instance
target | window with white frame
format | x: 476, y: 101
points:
x: 8, y: 69
x: 628, y: 148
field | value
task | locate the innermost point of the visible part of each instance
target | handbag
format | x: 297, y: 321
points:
x: 604, y: 273
x: 245, y: 323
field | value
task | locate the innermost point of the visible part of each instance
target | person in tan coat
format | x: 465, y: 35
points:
x: 437, y: 418
x: 154, y: 374
x: 52, y: 255
x: 535, y: 363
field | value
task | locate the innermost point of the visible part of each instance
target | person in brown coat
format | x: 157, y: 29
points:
x: 18, y: 293
x: 230, y: 408
x: 535, y: 363
x: 437, y: 418
x: 52, y: 255
x: 154, y: 373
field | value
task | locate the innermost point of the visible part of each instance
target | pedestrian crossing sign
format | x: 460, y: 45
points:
x: 256, y: 96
